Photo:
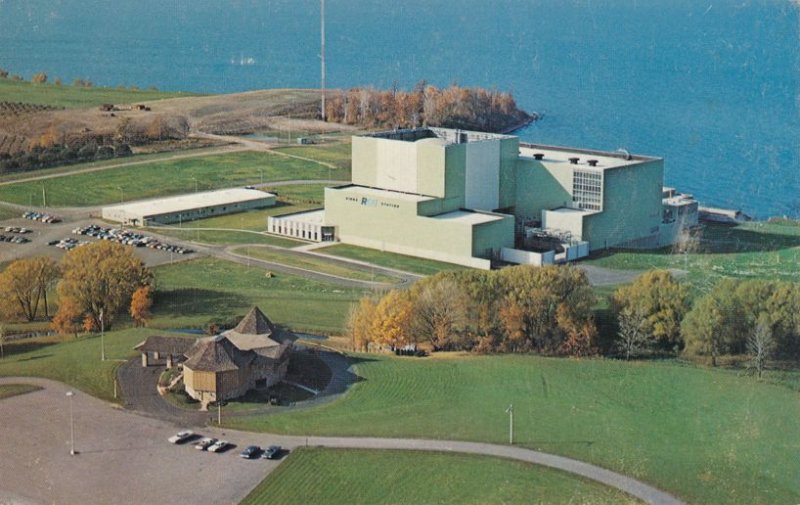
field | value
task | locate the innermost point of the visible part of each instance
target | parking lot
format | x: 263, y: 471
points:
x: 122, y: 457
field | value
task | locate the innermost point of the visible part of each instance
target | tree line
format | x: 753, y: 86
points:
x: 94, y: 284
x: 552, y: 310
x: 452, y: 107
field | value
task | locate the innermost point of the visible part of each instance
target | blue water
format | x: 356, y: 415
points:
x: 713, y: 87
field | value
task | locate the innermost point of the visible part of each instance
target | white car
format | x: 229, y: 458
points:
x: 205, y: 443
x: 218, y: 446
x: 181, y: 436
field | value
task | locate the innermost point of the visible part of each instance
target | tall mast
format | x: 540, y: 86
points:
x: 322, y: 57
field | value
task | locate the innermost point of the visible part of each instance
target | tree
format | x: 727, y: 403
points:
x: 391, y: 322
x: 632, y: 340
x: 39, y: 78
x: 141, y: 301
x: 660, y: 301
x: 440, y: 312
x: 2, y: 341
x: 359, y: 322
x: 24, y: 284
x: 101, y: 276
x: 760, y: 345
x: 68, y: 319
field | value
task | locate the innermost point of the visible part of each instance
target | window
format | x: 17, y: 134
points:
x: 587, y: 189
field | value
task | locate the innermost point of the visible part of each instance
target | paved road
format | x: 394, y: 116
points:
x: 113, y: 443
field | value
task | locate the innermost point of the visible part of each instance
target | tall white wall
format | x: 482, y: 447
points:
x: 483, y: 175
x: 396, y: 165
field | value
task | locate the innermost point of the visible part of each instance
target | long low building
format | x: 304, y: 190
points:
x: 177, y: 209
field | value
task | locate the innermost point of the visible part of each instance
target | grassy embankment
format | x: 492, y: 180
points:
x: 9, y: 390
x: 709, y: 436
x: 335, y: 154
x: 315, y: 264
x: 331, y: 476
x: 167, y: 177
x: 390, y: 260
x: 192, y: 293
x: 751, y: 250
x: 312, y: 195
x: 74, y: 96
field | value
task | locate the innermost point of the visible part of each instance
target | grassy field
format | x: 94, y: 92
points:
x: 163, y: 178
x: 72, y: 96
x: 73, y: 361
x: 332, y: 476
x: 751, y: 250
x: 189, y: 294
x: 254, y: 220
x: 309, y: 194
x: 6, y: 213
x: 390, y: 260
x: 9, y: 390
x: 337, y: 155
x: 314, y: 264
x: 709, y: 436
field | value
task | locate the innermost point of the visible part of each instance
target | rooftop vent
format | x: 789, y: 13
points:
x: 574, y: 161
x: 538, y: 156
x: 592, y: 163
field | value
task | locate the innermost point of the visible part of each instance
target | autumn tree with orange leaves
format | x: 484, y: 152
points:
x: 101, y: 278
x: 24, y: 285
x: 141, y: 301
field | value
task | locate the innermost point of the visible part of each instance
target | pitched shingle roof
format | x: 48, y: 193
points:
x: 216, y: 354
x: 255, y: 323
x: 166, y: 345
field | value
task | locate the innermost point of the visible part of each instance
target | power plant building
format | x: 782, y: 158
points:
x: 475, y: 198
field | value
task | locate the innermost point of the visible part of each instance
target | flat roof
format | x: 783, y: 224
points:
x: 444, y: 135
x: 562, y: 155
x: 466, y: 217
x: 382, y: 193
x: 190, y: 201
x: 568, y: 210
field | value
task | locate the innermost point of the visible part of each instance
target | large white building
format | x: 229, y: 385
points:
x: 177, y: 209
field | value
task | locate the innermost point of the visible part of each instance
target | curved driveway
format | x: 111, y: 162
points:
x: 113, y: 443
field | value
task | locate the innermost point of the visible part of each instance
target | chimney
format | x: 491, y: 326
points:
x: 592, y: 163
x: 538, y: 156
x: 574, y: 161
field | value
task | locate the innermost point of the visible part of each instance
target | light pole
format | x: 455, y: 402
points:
x: 262, y: 175
x: 510, y: 412
x: 195, y: 184
x: 102, y: 338
x: 121, y: 194
x: 70, y: 394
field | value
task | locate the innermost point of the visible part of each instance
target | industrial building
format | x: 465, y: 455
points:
x: 178, y: 209
x: 476, y: 198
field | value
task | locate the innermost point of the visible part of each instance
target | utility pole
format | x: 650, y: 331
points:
x: 322, y: 56
x: 70, y: 394
x: 510, y: 412
x: 219, y: 413
x: 44, y: 197
x: 102, y: 338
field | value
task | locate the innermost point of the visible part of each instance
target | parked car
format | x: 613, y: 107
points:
x: 250, y: 452
x: 180, y: 437
x: 272, y: 452
x: 205, y: 443
x: 218, y: 446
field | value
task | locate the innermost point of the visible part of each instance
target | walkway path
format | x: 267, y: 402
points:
x: 110, y: 441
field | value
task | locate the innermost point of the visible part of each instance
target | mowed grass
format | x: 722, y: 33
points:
x: 73, y: 361
x: 163, y: 178
x: 192, y: 293
x: 338, y: 154
x: 708, y: 436
x: 308, y: 194
x: 750, y: 250
x: 390, y: 260
x: 337, y: 476
x: 8, y: 213
x: 9, y: 390
x: 71, y: 96
x: 225, y: 226
x: 315, y: 264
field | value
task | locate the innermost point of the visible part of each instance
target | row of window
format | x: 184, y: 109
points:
x: 587, y: 189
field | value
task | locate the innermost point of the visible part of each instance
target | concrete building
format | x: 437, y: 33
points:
x: 475, y: 198
x: 177, y: 209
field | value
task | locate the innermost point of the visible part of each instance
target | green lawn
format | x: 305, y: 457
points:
x: 68, y: 96
x: 336, y: 154
x: 9, y: 390
x: 308, y: 194
x: 390, y: 260
x: 191, y: 293
x: 709, y: 436
x: 336, y: 476
x: 164, y: 178
x: 315, y: 264
x: 751, y: 250
x: 7, y: 213
x: 73, y: 361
